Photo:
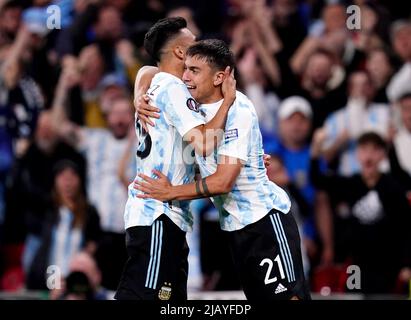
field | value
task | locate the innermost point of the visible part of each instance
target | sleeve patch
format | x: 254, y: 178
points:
x: 231, y: 134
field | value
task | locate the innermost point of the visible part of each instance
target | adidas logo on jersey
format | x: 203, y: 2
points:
x: 280, y: 288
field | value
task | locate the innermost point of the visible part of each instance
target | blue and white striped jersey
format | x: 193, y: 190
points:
x: 65, y: 241
x: 356, y: 119
x: 164, y: 149
x: 253, y: 195
x: 106, y: 192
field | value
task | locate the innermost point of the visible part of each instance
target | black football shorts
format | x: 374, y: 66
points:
x: 157, y: 267
x: 267, y: 256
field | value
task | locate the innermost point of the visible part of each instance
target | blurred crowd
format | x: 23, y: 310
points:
x: 334, y: 104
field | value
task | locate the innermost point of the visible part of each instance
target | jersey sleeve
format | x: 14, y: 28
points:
x: 181, y: 109
x: 237, y: 135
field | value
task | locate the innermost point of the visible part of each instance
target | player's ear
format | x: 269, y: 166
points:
x: 179, y: 52
x: 218, y: 78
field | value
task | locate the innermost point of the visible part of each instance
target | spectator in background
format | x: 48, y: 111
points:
x: 292, y: 146
x: 254, y: 32
x: 277, y: 173
x: 378, y: 65
x: 360, y: 115
x: 20, y: 103
x: 136, y: 37
x: 32, y: 180
x: 20, y: 96
x: 402, y: 139
x: 188, y: 14
x: 99, y: 24
x: 77, y: 287
x: 106, y: 31
x: 255, y: 85
x: 377, y: 214
x: 331, y: 34
x: 333, y: 18
x: 401, y: 42
x: 10, y: 15
x: 121, y: 5
x: 371, y: 34
x: 103, y: 149
x: 83, y: 281
x: 148, y: 11
x: 91, y: 66
x: 256, y: 45
x: 36, y: 19
x: 71, y: 225
x: 128, y: 58
x: 98, y: 35
x: 89, y: 85
x: 112, y: 87
x: 286, y: 19
x: 324, y: 94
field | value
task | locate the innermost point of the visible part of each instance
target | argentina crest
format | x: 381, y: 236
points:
x: 165, y: 292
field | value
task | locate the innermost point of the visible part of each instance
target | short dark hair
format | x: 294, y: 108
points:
x: 160, y: 33
x: 215, y: 52
x: 372, y: 138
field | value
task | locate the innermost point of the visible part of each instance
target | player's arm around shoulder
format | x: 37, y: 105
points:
x: 143, y: 109
x: 143, y: 80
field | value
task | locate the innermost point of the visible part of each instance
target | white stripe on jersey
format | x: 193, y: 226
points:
x: 164, y: 149
x: 253, y: 195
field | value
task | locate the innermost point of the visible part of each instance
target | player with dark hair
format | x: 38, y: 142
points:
x: 263, y: 238
x: 157, y: 267
x: 161, y: 33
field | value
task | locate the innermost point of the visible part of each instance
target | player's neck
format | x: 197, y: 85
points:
x: 213, y: 98
x: 176, y: 69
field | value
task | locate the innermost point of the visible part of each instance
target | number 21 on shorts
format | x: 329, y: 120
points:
x: 270, y: 263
